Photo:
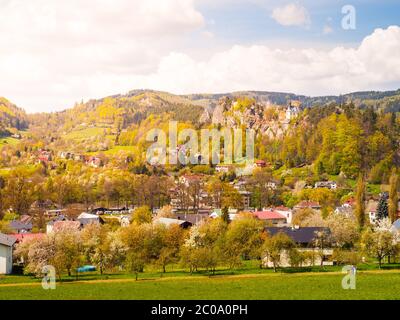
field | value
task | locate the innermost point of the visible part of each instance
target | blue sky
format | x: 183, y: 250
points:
x: 251, y: 22
x: 61, y: 52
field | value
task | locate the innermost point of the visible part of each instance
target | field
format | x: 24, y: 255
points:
x: 371, y: 284
x: 8, y: 141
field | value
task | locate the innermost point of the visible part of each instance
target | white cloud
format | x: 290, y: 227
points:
x: 291, y: 14
x: 374, y: 64
x: 53, y: 49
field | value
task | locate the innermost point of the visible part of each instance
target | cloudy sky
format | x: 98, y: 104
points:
x: 57, y: 52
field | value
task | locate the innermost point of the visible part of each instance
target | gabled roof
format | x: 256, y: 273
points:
x: 305, y: 235
x: 268, y: 215
x: 7, y: 240
x: 168, y: 222
x: 18, y: 225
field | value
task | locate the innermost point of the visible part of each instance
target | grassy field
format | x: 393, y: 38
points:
x: 268, y: 286
x: 8, y: 141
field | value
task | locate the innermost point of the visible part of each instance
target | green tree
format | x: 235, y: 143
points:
x: 383, y: 209
x: 360, y: 202
x: 378, y: 244
x: 393, y: 196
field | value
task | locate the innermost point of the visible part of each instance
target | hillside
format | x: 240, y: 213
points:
x: 12, y: 118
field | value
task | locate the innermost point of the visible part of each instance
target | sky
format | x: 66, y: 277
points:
x: 55, y: 53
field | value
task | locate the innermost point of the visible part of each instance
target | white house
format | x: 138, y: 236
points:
x: 288, y: 213
x: 6, y: 253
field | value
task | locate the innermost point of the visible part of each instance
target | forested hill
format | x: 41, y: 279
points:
x: 12, y: 118
x: 387, y: 101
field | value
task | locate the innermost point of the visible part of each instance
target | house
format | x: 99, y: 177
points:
x: 18, y: 226
x: 125, y: 221
x: 87, y: 218
x: 50, y: 224
x: 372, y: 209
x: 305, y: 240
x: 44, y: 156
x: 6, y: 253
x: 260, y: 164
x: 169, y: 222
x: 79, y: 157
x: 306, y: 204
x: 286, y: 212
x: 66, y: 225
x: 293, y: 110
x: 94, y: 162
x: 332, y: 185
x: 66, y: 155
x: 217, y: 213
x: 246, y: 199
x: 270, y: 216
x: 21, y: 237
x: 194, y: 219
x: 344, y: 210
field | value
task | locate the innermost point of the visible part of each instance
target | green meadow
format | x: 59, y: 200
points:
x: 373, y: 284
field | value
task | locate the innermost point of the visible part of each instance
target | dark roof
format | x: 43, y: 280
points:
x: 18, y: 225
x: 7, y: 240
x: 301, y: 235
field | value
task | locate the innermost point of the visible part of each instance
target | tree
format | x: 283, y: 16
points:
x: 135, y: 262
x: 142, y: 215
x: 274, y: 246
x: 225, y: 215
x: 382, y: 210
x: 96, y: 245
x: 393, y: 196
x: 378, y: 244
x: 360, y: 202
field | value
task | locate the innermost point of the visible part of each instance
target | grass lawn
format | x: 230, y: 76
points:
x: 248, y: 282
x: 8, y: 141
x: 370, y: 285
x: 85, y: 133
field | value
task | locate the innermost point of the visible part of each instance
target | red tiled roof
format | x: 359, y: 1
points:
x: 27, y: 236
x: 268, y: 215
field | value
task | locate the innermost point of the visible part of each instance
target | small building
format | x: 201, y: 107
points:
x: 66, y: 225
x: 217, y: 213
x: 305, y: 240
x: 270, y: 216
x: 286, y: 212
x: 87, y: 218
x: 21, y: 237
x: 18, y: 226
x: 94, y: 162
x: 332, y: 185
x: 6, y: 253
x: 169, y: 222
x: 260, y: 164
